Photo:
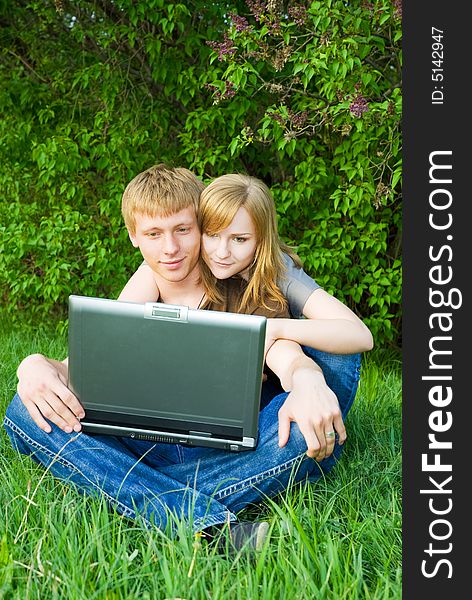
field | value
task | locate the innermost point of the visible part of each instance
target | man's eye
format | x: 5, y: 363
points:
x: 183, y: 229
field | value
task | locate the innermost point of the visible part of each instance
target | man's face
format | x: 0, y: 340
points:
x: 170, y: 245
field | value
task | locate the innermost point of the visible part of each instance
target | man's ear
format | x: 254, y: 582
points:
x: 132, y: 237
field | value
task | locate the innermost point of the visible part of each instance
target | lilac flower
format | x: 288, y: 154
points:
x: 274, y: 27
x: 398, y: 8
x: 277, y: 117
x: 298, y: 14
x: 257, y: 8
x: 359, y: 106
x: 229, y: 91
x: 225, y: 48
x: 298, y: 120
x: 240, y: 23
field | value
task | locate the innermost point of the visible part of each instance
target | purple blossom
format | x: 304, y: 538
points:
x: 240, y: 23
x: 267, y: 13
x: 229, y: 91
x: 273, y: 26
x: 257, y: 8
x: 298, y: 120
x: 298, y: 14
x: 359, y: 106
x: 398, y: 8
x: 277, y: 117
x: 225, y: 48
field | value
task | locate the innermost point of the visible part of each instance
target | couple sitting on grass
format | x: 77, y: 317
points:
x: 217, y: 248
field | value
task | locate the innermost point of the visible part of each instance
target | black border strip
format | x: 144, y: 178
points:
x: 436, y: 523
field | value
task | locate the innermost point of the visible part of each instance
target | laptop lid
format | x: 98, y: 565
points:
x: 166, y: 373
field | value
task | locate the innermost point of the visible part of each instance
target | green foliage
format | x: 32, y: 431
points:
x: 309, y: 99
x: 303, y: 95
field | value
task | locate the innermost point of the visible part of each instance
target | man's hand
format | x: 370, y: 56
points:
x: 314, y: 407
x: 42, y: 387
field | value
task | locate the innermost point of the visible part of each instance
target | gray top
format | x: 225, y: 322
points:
x: 297, y: 287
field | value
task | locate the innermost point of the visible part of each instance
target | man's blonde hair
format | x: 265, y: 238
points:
x: 162, y: 191
x: 219, y: 203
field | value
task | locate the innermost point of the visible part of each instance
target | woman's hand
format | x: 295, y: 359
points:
x: 311, y: 403
x: 42, y: 387
x: 315, y: 408
x: 271, y: 335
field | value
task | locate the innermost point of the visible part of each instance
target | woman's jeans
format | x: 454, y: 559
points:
x: 157, y: 482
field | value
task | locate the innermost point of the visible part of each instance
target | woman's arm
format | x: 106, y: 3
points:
x: 141, y: 287
x: 330, y: 326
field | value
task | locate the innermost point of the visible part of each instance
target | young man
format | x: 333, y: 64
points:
x: 154, y: 481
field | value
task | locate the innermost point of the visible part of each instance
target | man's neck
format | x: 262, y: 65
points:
x: 188, y: 292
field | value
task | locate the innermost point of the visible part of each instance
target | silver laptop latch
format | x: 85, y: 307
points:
x: 166, y: 312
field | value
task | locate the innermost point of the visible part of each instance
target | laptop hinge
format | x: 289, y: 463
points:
x: 205, y: 434
x: 165, y: 312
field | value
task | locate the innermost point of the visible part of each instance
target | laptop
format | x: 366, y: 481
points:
x: 167, y: 373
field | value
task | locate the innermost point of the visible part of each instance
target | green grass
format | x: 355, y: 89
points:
x: 339, y: 538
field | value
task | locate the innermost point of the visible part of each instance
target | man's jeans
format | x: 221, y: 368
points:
x: 204, y: 486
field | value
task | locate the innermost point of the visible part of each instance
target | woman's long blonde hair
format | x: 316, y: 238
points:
x: 219, y: 203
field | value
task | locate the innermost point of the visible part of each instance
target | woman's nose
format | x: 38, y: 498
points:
x: 222, y: 249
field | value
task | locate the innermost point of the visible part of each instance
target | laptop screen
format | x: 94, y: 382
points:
x: 171, y: 366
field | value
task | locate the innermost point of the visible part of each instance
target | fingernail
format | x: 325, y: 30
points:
x: 81, y: 415
x: 77, y: 427
x: 68, y: 429
x: 47, y: 429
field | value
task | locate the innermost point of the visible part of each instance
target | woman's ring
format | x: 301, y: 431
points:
x: 330, y: 434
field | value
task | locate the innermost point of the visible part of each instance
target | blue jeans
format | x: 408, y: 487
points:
x: 163, y: 483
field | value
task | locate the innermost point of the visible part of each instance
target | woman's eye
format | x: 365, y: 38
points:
x: 240, y: 240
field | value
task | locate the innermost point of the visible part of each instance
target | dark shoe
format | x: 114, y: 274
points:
x: 247, y: 535
x: 237, y: 536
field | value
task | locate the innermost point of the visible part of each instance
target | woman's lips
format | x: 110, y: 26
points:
x: 220, y: 264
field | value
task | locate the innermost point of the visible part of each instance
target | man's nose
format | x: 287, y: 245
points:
x: 170, y: 244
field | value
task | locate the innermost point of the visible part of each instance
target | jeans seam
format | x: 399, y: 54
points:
x: 126, y: 510
x: 215, y: 519
x: 255, y: 479
x: 180, y: 453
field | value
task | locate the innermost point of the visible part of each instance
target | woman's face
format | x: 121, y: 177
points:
x: 231, y: 250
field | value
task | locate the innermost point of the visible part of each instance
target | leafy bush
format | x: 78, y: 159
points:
x: 303, y: 95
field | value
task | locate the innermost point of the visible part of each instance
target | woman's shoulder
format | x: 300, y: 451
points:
x: 296, y: 285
